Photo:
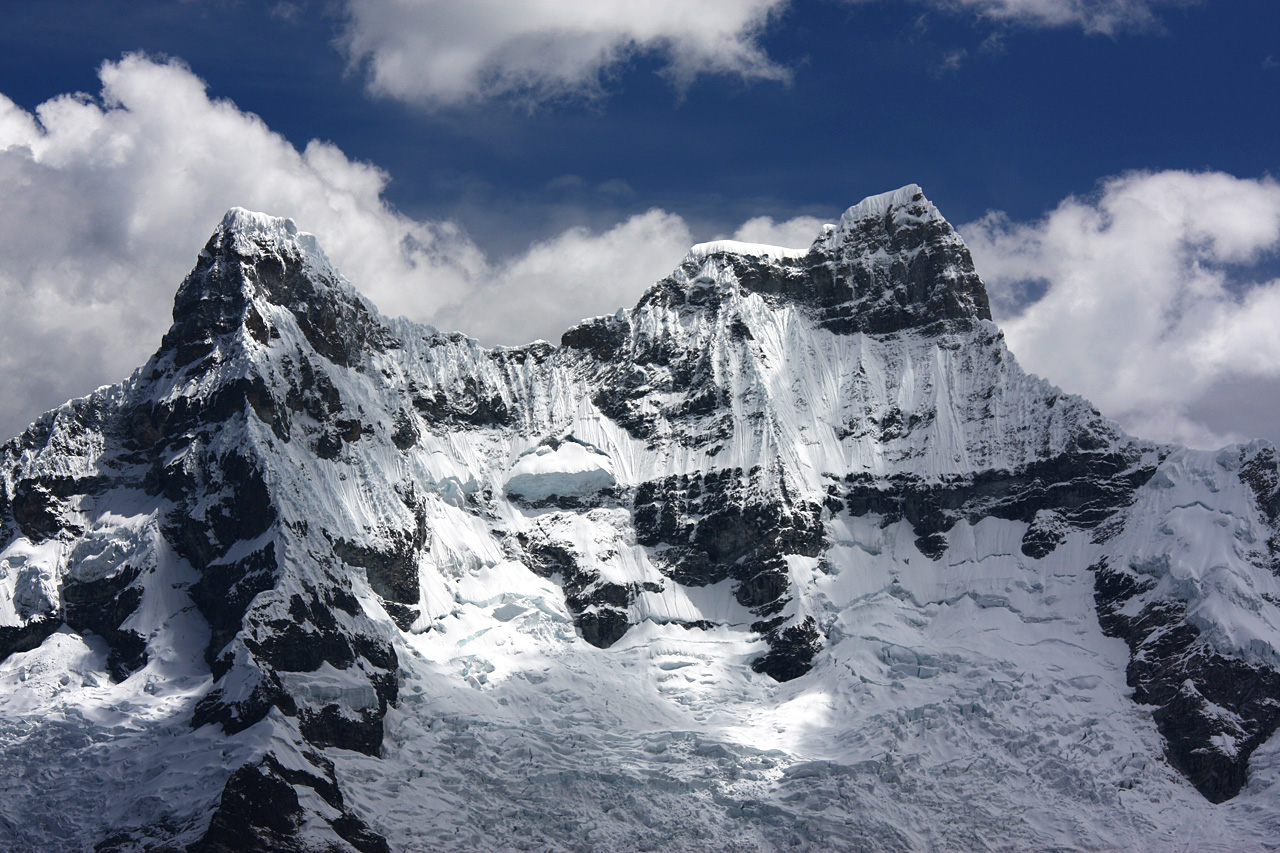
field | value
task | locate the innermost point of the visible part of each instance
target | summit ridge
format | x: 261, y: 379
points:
x: 877, y: 206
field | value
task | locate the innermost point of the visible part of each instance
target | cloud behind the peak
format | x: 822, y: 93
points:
x: 1151, y: 299
x: 797, y: 233
x: 108, y: 200
x: 438, y: 53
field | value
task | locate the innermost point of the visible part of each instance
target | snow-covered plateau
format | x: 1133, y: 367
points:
x: 790, y: 556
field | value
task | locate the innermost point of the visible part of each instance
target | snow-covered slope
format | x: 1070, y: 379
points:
x: 790, y: 555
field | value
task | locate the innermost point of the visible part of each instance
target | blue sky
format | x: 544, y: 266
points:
x: 528, y: 150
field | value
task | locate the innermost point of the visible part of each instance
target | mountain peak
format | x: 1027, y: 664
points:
x: 905, y: 210
x: 257, y: 258
x: 902, y: 265
x: 892, y: 263
x: 877, y: 206
x: 242, y: 220
x: 249, y: 233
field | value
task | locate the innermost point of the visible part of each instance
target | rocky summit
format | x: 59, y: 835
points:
x: 791, y: 555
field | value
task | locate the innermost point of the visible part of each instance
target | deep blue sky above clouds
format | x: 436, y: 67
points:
x: 1127, y: 146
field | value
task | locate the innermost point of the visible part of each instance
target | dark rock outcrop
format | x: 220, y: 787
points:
x: 260, y: 810
x: 737, y: 525
x: 1212, y: 710
x: 1076, y: 491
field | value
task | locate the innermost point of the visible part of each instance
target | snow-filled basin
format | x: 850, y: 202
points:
x: 567, y: 469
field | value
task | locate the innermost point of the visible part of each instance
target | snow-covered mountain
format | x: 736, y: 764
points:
x: 792, y: 555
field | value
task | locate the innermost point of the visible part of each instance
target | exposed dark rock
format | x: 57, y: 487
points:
x: 382, y: 656
x: 235, y: 714
x: 602, y: 337
x: 723, y: 524
x: 694, y: 404
x: 733, y: 524
x: 620, y: 399
x: 1212, y: 711
x: 599, y: 608
x: 791, y: 650
x: 225, y: 591
x: 358, y: 834
x: 260, y: 811
x: 24, y: 638
x: 173, y: 420
x: 243, y: 511
x: 765, y: 587
x: 470, y: 404
x: 327, y: 446
x: 392, y: 569
x: 40, y: 505
x: 1081, y: 490
x: 1047, y: 531
x: 101, y: 606
x: 404, y: 433
x: 310, y: 390
x: 331, y: 726
x: 300, y: 647
x: 403, y: 616
x: 604, y: 626
x: 1260, y: 471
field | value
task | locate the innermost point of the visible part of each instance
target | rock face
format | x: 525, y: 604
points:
x: 797, y: 519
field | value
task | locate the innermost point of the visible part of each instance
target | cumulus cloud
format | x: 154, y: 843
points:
x: 797, y: 233
x: 441, y: 52
x: 1151, y: 299
x: 539, y: 293
x: 107, y: 201
x: 1105, y: 17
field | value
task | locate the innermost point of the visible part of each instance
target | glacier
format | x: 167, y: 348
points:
x: 791, y: 555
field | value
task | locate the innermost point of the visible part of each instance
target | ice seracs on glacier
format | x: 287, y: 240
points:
x: 791, y: 555
x: 562, y: 468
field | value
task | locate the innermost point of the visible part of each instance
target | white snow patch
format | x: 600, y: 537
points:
x: 570, y: 469
x: 702, y: 251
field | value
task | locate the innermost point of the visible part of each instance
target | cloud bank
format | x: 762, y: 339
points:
x: 108, y: 200
x: 438, y: 53
x: 1149, y: 299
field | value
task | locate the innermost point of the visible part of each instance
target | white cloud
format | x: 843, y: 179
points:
x: 542, y: 292
x: 107, y: 201
x: 1143, y: 299
x: 797, y: 233
x: 442, y: 52
x: 1093, y: 16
